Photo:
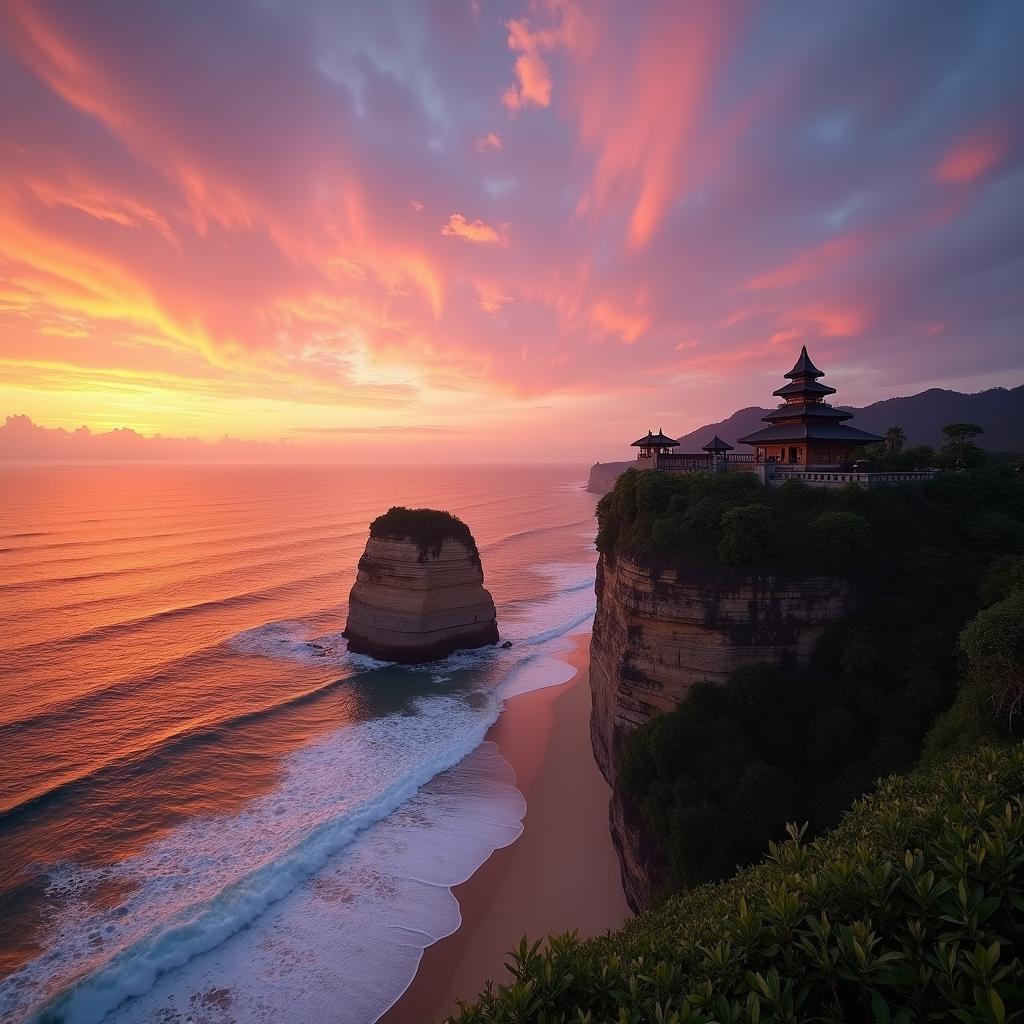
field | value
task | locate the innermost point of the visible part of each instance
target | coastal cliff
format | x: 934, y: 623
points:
x: 419, y: 593
x: 658, y: 632
x: 604, y: 474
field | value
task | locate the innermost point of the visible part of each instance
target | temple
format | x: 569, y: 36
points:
x: 806, y: 437
x: 805, y: 430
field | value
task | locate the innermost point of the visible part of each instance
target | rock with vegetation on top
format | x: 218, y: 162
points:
x: 419, y: 594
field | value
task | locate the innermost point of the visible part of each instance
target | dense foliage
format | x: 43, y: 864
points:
x: 715, y: 779
x: 663, y: 516
x: 428, y: 527
x: 911, y: 909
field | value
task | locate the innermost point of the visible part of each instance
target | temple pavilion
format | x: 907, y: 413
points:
x: 654, y: 445
x: 805, y: 430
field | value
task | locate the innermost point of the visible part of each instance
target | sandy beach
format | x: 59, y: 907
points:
x: 561, y: 874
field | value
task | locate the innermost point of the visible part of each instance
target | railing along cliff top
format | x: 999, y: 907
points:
x: 701, y: 461
x: 838, y: 476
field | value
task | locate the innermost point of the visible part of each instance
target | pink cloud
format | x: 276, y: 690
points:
x: 492, y: 140
x: 491, y: 299
x: 567, y: 29
x: 828, y: 319
x: 806, y: 265
x: 971, y: 158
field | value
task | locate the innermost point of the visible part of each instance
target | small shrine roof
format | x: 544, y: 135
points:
x: 652, y: 440
x: 716, y: 444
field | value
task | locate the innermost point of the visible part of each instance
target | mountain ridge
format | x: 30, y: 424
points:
x: 922, y: 416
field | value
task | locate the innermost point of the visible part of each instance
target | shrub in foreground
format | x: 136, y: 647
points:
x: 911, y: 909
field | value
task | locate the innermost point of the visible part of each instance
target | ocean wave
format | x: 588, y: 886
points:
x: 143, y: 758
x: 535, y: 531
x: 128, y: 626
x: 292, y: 640
x: 357, y: 930
x: 230, y: 565
x: 211, y: 877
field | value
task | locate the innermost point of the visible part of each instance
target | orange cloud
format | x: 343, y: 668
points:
x: 473, y: 231
x: 971, y: 158
x: 91, y: 200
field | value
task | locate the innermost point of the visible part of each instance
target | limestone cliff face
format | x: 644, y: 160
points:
x: 604, y: 474
x: 656, y: 634
x: 410, y: 604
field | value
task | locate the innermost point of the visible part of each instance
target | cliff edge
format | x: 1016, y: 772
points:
x: 604, y: 474
x: 419, y: 593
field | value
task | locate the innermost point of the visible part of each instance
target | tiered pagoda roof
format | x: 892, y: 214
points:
x: 804, y: 415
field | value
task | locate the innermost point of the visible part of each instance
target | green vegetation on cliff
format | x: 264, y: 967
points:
x: 911, y: 909
x: 429, y: 528
x: 715, y: 779
x: 732, y: 518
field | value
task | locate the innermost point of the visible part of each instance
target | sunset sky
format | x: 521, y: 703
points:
x: 453, y: 228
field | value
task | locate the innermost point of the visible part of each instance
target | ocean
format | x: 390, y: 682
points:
x: 209, y: 809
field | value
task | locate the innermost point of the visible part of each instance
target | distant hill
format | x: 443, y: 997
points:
x: 922, y: 417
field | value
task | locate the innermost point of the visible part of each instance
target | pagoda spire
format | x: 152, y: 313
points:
x: 804, y: 367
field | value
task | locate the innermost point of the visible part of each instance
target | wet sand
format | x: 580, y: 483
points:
x: 561, y: 874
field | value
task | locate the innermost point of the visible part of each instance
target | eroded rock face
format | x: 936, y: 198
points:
x: 656, y: 634
x: 419, y: 599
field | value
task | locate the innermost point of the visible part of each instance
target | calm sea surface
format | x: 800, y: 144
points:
x: 208, y: 808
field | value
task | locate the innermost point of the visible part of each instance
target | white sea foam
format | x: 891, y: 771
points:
x: 344, y: 947
x: 211, y: 877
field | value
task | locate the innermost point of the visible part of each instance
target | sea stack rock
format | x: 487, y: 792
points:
x: 419, y: 594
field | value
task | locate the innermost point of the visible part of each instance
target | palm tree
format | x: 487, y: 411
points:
x: 961, y: 434
x: 895, y: 439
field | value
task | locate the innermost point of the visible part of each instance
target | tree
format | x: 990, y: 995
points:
x: 994, y: 644
x: 961, y: 435
x: 895, y: 439
x: 840, y: 539
x: 748, y: 534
